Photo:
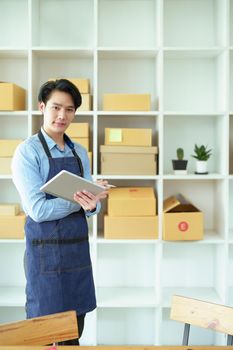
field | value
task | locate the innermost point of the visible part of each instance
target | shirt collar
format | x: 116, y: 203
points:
x: 51, y: 143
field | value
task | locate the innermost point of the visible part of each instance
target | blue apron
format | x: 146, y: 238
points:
x: 59, y: 272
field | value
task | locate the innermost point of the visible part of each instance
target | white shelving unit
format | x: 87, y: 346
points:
x: 181, y: 52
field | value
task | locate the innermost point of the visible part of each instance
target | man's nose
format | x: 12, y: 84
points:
x: 62, y: 113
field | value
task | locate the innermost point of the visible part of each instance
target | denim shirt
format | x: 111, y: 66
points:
x: 30, y: 168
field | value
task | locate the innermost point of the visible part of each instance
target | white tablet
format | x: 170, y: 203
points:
x: 65, y: 184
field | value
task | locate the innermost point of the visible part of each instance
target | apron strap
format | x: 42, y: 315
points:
x: 70, y: 145
x: 44, y: 144
x: 59, y: 241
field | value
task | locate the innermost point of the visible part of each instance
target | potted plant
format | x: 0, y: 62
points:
x: 202, y: 154
x: 179, y: 164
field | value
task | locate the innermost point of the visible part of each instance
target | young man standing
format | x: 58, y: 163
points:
x: 57, y: 259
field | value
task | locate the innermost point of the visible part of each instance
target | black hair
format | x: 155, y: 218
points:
x: 63, y: 85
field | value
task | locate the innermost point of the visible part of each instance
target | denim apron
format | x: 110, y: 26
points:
x: 59, y: 272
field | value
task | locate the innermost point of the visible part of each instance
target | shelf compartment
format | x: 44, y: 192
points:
x: 8, y: 192
x: 231, y: 144
x: 122, y: 262
x: 206, y: 196
x: 8, y: 128
x: 229, y: 274
x: 194, y: 83
x: 198, y: 336
x: 194, y: 23
x: 123, y: 183
x: 11, y: 296
x: 128, y: 75
x: 12, y: 314
x: 124, y: 326
x: 12, y: 255
x: 45, y: 66
x: 14, y: 27
x: 198, y: 270
x: 129, y: 297
x: 14, y: 68
x: 49, y: 18
x: 212, y: 133
x: 129, y: 33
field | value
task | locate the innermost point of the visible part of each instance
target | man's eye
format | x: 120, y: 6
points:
x: 70, y: 110
x: 55, y: 108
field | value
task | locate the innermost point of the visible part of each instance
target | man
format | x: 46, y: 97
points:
x: 57, y: 259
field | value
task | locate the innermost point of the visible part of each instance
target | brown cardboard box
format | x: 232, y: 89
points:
x: 86, y: 103
x: 12, y: 226
x: 12, y: 97
x: 131, y: 201
x: 5, y: 165
x: 9, y: 209
x: 128, y: 137
x: 78, y: 130
x: 126, y: 102
x: 90, y: 159
x: 7, y: 147
x: 82, y: 84
x: 84, y: 141
x: 128, y: 160
x: 182, y: 221
x: 130, y: 227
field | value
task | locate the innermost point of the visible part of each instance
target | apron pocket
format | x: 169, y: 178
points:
x: 60, y: 257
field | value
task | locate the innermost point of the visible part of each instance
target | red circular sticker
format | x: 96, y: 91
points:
x: 183, y: 226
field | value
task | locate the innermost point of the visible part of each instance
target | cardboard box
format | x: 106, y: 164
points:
x: 126, y: 102
x: 130, y: 227
x: 12, y: 97
x: 182, y: 221
x: 90, y: 159
x: 5, y: 165
x: 9, y: 209
x: 128, y: 137
x: 12, y: 226
x: 84, y: 141
x: 78, y: 130
x: 7, y: 147
x: 82, y: 84
x: 128, y: 160
x: 86, y: 103
x: 131, y: 201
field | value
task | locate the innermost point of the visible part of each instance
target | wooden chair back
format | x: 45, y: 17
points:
x: 202, y: 314
x: 40, y: 330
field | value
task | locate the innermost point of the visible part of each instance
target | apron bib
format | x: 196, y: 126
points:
x: 59, y: 271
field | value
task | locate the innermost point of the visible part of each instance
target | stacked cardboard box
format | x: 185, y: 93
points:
x: 12, y: 221
x: 126, y: 102
x: 131, y: 214
x: 7, y: 148
x: 128, y: 151
x: 79, y: 132
x: 12, y: 97
x: 182, y: 221
x: 84, y: 88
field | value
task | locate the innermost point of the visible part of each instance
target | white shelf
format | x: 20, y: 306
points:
x: 180, y: 52
x: 12, y: 296
x: 109, y: 297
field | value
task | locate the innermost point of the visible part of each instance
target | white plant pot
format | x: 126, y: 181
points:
x: 201, y: 167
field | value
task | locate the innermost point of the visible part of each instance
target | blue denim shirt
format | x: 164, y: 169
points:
x: 30, y: 168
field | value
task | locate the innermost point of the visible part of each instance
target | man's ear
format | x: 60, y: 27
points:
x: 41, y: 106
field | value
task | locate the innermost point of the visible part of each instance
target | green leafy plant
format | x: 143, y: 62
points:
x: 201, y: 152
x: 180, y: 153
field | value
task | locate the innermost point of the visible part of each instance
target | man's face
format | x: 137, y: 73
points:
x: 58, y: 112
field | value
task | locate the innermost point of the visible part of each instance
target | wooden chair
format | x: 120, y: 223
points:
x: 40, y: 330
x: 203, y: 314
